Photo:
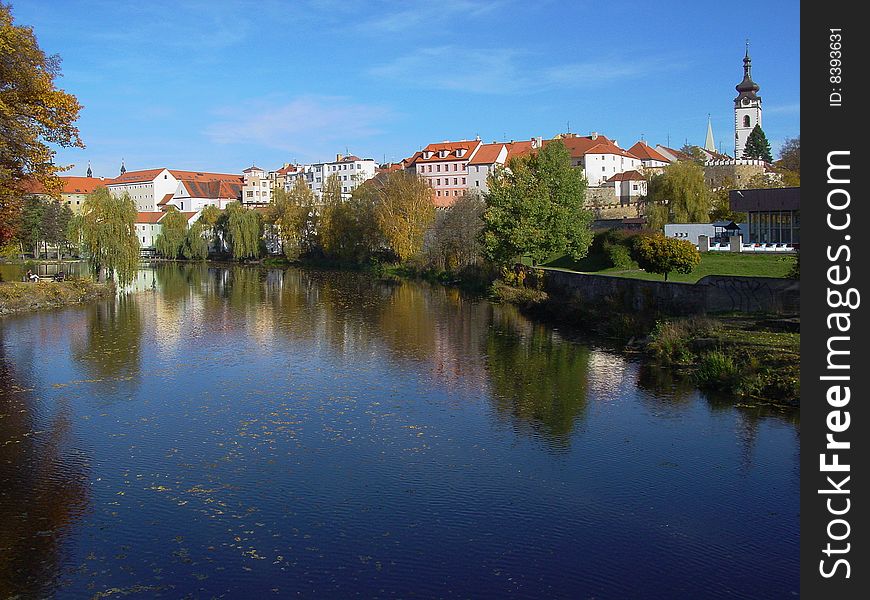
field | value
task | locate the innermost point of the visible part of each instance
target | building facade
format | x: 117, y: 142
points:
x: 444, y: 166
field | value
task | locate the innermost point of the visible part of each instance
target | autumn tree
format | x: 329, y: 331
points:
x: 210, y: 216
x: 173, y: 231
x: 404, y: 210
x: 534, y: 208
x: 289, y: 213
x: 660, y: 254
x: 109, y: 235
x: 790, y: 155
x: 34, y: 117
x: 757, y: 147
x: 677, y: 195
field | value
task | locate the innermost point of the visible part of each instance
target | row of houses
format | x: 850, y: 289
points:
x: 616, y: 177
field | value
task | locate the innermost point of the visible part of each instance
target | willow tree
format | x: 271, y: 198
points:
x: 242, y: 230
x: 404, y: 211
x: 34, y: 117
x: 195, y: 246
x: 678, y: 195
x: 289, y: 213
x: 173, y: 230
x: 109, y: 234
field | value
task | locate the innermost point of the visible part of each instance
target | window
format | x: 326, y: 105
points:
x: 250, y: 194
x: 477, y: 183
x: 438, y: 168
x: 438, y: 193
x: 463, y: 181
x: 430, y: 168
x: 746, y: 121
x: 455, y: 181
x: 455, y: 167
x: 437, y: 182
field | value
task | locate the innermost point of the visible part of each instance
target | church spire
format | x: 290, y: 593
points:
x: 123, y: 168
x: 90, y: 173
x: 709, y: 144
x: 747, y: 88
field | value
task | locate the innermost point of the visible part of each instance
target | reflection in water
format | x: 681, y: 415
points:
x: 42, y: 486
x: 326, y: 434
x: 538, y: 381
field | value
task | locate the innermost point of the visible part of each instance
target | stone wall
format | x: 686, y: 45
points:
x: 605, y: 204
x: 709, y: 295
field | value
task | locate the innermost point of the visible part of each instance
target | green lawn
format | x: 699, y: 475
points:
x: 712, y: 263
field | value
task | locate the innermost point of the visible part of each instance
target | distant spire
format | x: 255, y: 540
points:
x: 123, y: 168
x: 90, y: 173
x: 709, y: 144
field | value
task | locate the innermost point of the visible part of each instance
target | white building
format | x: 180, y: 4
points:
x: 650, y: 158
x: 351, y: 171
x: 256, y: 186
x: 149, y: 187
x: 600, y: 157
x: 628, y: 186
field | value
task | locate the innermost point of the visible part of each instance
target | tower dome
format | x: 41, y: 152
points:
x: 747, y: 88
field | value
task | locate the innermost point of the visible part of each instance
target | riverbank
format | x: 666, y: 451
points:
x: 754, y: 357
x: 17, y: 297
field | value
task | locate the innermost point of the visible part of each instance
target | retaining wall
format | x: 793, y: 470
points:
x: 711, y: 294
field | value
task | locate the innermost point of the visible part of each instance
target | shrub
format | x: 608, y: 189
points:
x: 716, y: 369
x: 660, y: 254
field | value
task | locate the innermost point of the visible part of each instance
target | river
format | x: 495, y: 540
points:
x: 241, y: 432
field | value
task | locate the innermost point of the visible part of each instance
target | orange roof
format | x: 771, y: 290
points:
x: 149, y: 217
x: 71, y: 185
x: 150, y: 174
x: 451, y: 147
x: 628, y: 176
x: 644, y: 152
x: 188, y: 215
x: 213, y: 189
x: 580, y: 146
x: 487, y: 154
x: 518, y: 148
x: 165, y: 199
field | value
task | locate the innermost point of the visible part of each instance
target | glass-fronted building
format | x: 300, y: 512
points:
x: 773, y: 215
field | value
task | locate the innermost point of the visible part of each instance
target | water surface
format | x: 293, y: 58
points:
x: 238, y: 432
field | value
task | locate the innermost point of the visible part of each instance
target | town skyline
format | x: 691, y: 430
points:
x: 402, y: 87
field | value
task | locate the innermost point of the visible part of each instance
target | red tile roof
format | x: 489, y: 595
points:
x: 644, y: 152
x: 71, y: 185
x: 213, y: 189
x: 580, y: 146
x: 628, y: 176
x: 518, y: 149
x: 149, y: 217
x: 165, y: 199
x: 150, y: 174
x: 450, y: 147
x: 487, y: 154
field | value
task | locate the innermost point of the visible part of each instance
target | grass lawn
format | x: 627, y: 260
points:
x: 712, y: 263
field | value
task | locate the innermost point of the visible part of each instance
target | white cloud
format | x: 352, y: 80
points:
x: 429, y: 14
x: 309, y: 127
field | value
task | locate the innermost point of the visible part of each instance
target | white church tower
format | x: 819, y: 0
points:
x: 747, y: 107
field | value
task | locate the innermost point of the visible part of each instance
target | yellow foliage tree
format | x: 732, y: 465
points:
x: 33, y: 114
x: 404, y: 211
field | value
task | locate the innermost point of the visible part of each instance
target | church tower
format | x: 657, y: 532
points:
x: 747, y: 107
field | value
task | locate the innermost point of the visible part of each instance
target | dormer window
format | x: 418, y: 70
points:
x: 427, y: 155
x: 460, y: 152
x: 442, y: 153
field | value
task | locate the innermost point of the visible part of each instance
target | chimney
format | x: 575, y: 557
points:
x: 594, y: 135
x: 338, y: 157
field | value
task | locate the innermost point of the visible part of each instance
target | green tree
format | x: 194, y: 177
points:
x: 289, y: 213
x: 757, y: 147
x: 35, y: 116
x: 534, y: 208
x: 695, y: 152
x: 54, y: 225
x: 109, y: 234
x: 660, y: 254
x: 195, y: 246
x: 31, y: 223
x: 242, y: 231
x: 677, y: 195
x: 173, y: 231
x: 404, y: 210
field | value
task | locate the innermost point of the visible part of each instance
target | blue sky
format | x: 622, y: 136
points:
x: 214, y: 85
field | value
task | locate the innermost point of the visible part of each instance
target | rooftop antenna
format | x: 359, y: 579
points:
x: 569, y: 127
x: 669, y: 139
